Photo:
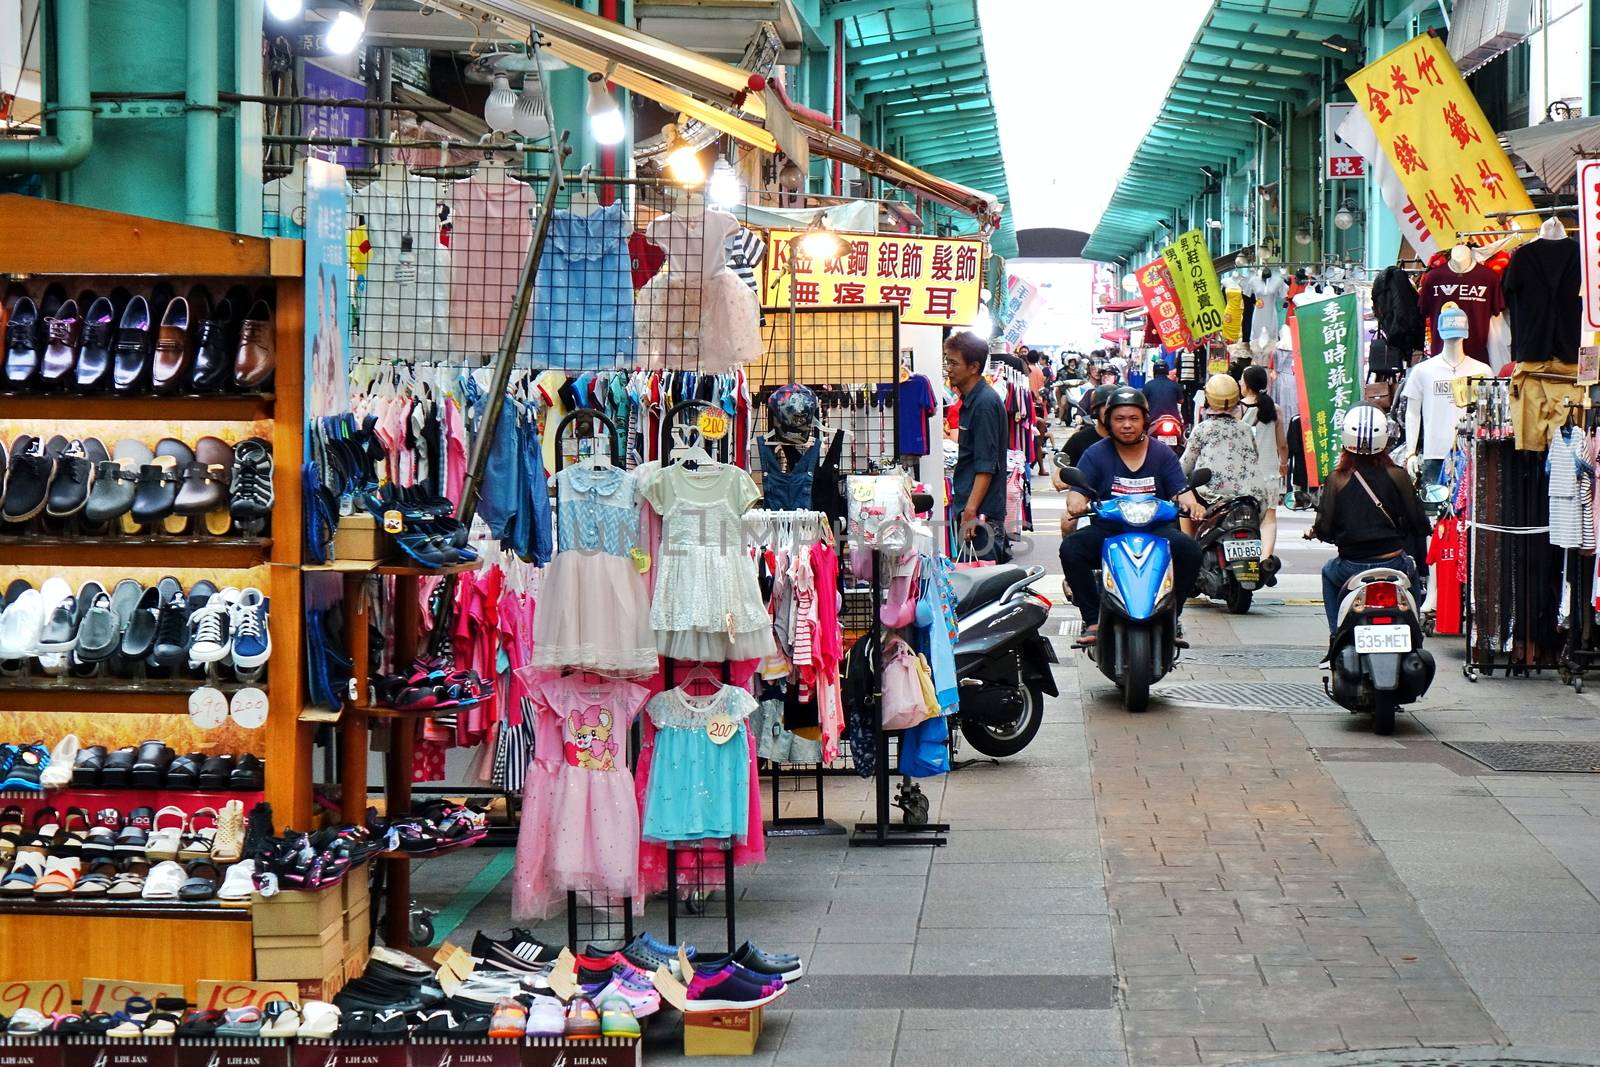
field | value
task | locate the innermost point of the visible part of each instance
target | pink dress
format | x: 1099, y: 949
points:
x: 491, y: 225
x: 580, y: 816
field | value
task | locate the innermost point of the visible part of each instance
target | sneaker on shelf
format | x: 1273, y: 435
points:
x: 583, y: 1020
x: 210, y: 631
x: 638, y: 992
x: 728, y: 990
x: 252, y: 643
x: 521, y: 951
x: 547, y: 1017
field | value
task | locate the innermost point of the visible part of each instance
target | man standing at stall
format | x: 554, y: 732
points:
x: 979, y: 483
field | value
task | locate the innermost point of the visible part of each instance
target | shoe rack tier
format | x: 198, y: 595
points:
x: 43, y: 241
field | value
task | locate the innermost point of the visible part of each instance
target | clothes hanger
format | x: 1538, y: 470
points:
x: 1552, y: 229
x: 584, y: 202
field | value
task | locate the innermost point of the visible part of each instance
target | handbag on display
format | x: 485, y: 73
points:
x: 925, y: 749
x: 903, y: 702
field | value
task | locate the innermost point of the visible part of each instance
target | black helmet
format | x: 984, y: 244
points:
x: 794, y: 411
x: 1159, y: 367
x: 1098, y: 398
x: 1123, y: 396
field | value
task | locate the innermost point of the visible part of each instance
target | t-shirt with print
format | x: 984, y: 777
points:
x: 913, y: 406
x: 1477, y: 292
x: 1160, y: 475
x: 1428, y: 387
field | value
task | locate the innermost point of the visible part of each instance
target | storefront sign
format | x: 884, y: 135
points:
x: 98, y: 1052
x: 1195, y: 279
x: 1340, y: 159
x: 1328, y: 370
x: 322, y: 120
x: 935, y: 282
x: 1023, y: 300
x: 1161, y: 302
x: 1589, y: 238
x: 327, y: 290
x: 1434, y: 134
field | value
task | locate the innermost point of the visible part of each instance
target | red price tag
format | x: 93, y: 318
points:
x: 220, y: 996
x: 44, y: 997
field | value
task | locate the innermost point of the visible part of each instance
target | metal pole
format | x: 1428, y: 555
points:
x: 200, y: 112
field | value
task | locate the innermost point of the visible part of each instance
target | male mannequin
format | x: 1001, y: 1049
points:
x: 1429, y: 393
x: 1473, y: 288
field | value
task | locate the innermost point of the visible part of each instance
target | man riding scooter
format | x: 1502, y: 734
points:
x: 1126, y: 463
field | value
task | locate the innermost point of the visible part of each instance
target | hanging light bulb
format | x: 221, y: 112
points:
x: 1345, y: 217
x: 683, y: 161
x: 499, y: 110
x: 605, y: 117
x: 819, y: 242
x: 284, y: 10
x: 344, y: 33
x: 529, y: 118
x: 724, y: 189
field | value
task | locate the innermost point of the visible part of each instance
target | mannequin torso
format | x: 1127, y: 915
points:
x: 1433, y: 377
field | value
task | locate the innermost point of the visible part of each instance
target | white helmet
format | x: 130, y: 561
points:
x: 1366, y: 430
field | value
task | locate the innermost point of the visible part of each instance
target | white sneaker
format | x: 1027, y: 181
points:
x: 212, y: 627
x: 59, y: 773
x: 22, y: 625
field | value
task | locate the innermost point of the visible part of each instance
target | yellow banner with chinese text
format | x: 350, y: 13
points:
x: 1439, y: 142
x: 1195, y: 278
x: 934, y: 281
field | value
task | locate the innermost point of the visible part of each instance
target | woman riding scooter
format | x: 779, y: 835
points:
x: 1223, y: 445
x: 1368, y: 510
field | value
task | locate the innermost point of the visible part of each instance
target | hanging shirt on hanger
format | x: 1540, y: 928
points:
x: 492, y: 225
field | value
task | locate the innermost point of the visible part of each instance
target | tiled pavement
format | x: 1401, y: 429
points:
x: 1194, y: 885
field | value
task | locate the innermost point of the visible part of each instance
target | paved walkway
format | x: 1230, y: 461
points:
x: 1194, y: 884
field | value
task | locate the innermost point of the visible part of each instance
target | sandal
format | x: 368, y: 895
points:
x: 164, y: 841
x: 26, y: 873
x: 97, y: 879
x: 241, y: 1022
x: 198, y: 841
x: 46, y: 829
x: 198, y: 1023
x: 164, y: 881
x: 227, y: 841
x: 59, y: 878
x: 74, y: 831
x: 10, y: 830
x: 1090, y: 635
x: 318, y: 1020
x: 282, y: 1020
x: 129, y: 882
x: 202, y: 879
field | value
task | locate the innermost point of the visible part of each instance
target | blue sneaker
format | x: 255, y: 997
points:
x: 252, y: 643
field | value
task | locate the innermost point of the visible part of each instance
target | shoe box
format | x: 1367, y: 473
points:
x: 357, y: 921
x: 361, y: 537
x: 730, y: 1032
x: 299, y: 934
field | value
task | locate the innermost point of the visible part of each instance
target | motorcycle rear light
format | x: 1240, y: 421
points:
x: 1381, y: 620
x: 1382, y: 595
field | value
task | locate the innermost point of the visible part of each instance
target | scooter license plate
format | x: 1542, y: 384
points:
x: 1242, y: 549
x: 1376, y: 639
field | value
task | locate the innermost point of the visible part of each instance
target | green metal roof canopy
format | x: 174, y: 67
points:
x: 1248, y: 56
x: 918, y: 68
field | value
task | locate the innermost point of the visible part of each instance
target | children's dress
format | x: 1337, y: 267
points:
x: 697, y: 315
x: 698, y: 789
x: 580, y: 818
x: 594, y: 612
x: 707, y: 603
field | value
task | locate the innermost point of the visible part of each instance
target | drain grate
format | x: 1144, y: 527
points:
x: 1261, y: 696
x: 1539, y: 757
x: 1254, y: 656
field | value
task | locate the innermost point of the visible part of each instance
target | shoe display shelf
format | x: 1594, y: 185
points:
x: 53, y: 1050
x: 159, y: 942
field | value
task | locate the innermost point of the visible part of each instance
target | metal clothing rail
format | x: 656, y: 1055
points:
x: 378, y: 142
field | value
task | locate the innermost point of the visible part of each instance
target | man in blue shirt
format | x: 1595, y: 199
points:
x: 1164, y: 394
x: 979, y: 482
x: 1126, y: 463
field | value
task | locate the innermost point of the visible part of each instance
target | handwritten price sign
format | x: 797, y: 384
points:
x: 220, y: 996
x: 43, y: 997
x: 113, y: 994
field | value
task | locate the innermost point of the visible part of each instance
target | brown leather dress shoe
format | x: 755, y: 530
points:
x: 174, y: 349
x: 257, y: 357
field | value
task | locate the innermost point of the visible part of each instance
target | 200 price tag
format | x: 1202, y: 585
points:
x: 713, y: 424
x: 721, y: 728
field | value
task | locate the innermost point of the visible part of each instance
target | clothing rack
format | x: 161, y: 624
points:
x: 881, y: 832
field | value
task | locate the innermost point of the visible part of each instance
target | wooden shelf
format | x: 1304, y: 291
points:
x: 374, y: 711
x: 114, y: 797
x: 122, y: 909
x: 417, y: 570
x: 175, y: 553
x: 156, y: 696
x: 55, y: 407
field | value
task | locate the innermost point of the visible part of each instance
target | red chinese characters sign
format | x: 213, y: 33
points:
x: 1435, y: 136
x: 934, y: 281
x: 1589, y: 238
x: 1161, y: 302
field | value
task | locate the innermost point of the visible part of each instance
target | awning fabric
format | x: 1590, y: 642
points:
x: 1117, y: 307
x: 700, y: 87
x: 1551, y: 150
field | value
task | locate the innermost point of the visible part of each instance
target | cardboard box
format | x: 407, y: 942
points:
x: 722, y: 1033
x: 322, y: 988
x: 360, y: 537
x: 297, y: 956
x: 297, y: 913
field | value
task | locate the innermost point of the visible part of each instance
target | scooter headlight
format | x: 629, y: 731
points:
x: 1138, y: 512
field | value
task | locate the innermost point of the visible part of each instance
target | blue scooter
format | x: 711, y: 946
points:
x: 1137, y: 645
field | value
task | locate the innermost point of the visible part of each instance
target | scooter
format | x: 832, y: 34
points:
x: 1168, y: 429
x: 1376, y: 661
x: 1002, y: 658
x: 1138, y: 641
x: 1069, y: 397
x: 1230, y: 553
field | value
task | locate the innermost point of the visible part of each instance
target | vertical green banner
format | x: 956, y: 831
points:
x: 1328, y: 367
x: 1195, y: 278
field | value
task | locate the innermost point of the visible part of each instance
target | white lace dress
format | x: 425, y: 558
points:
x: 707, y: 603
x: 697, y: 314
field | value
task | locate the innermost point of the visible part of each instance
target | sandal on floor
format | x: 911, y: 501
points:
x: 1089, y: 636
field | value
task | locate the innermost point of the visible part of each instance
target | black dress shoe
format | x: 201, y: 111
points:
x: 139, y: 631
x: 150, y: 765
x: 131, y: 362
x: 22, y: 343
x: 99, y: 339
x: 171, y: 646
x: 155, y: 495
x: 27, y: 479
x: 249, y: 774
x: 86, y: 768
x: 69, y: 488
x: 111, y: 495
x: 213, y: 356
x: 63, y: 335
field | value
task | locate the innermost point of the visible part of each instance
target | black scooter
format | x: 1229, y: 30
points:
x: 1002, y: 659
x: 1376, y: 661
x: 1231, y: 563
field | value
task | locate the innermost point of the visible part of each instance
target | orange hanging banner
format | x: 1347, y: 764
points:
x: 1161, y: 303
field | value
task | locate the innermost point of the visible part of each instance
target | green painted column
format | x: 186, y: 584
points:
x: 569, y: 91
